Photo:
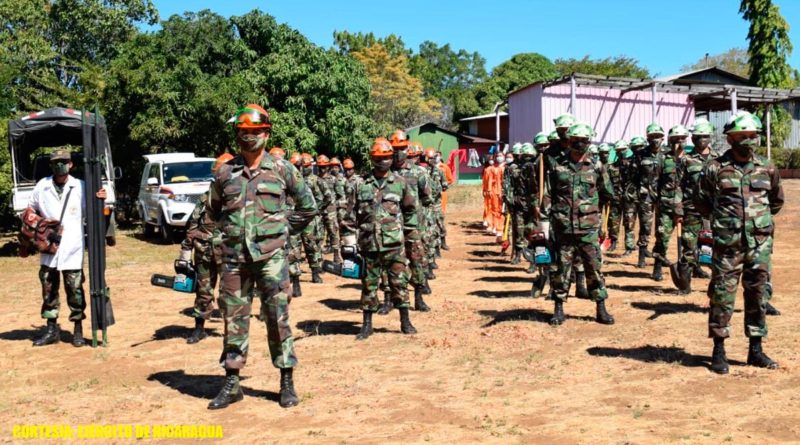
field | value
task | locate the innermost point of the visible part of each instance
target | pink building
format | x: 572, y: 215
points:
x: 616, y: 108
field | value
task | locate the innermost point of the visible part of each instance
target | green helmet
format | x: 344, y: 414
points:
x: 743, y: 121
x: 580, y: 131
x: 553, y: 136
x: 516, y: 149
x: 593, y: 149
x: 638, y: 141
x: 702, y: 128
x: 565, y: 120
x: 604, y: 148
x: 678, y: 131
x: 654, y: 128
x: 527, y: 149
x: 541, y: 138
x: 621, y: 145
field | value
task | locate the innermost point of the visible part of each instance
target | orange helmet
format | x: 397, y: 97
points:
x: 251, y: 116
x: 348, y: 164
x: 323, y: 161
x: 430, y: 153
x: 278, y: 152
x: 222, y: 159
x: 335, y: 161
x: 399, y: 139
x: 381, y: 148
x: 296, y: 159
x: 307, y: 159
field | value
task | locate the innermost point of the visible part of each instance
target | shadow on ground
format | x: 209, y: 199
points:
x: 341, y: 305
x: 175, y: 331
x: 666, y: 308
x: 203, y: 386
x: 657, y: 354
x: 313, y: 328
x: 501, y: 293
x: 536, y: 315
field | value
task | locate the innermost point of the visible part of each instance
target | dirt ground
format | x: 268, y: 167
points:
x: 485, y: 367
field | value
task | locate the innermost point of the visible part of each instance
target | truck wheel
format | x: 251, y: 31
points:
x: 165, y: 231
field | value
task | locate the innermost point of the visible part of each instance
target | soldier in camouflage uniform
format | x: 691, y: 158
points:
x: 622, y: 209
x: 511, y: 199
x: 630, y: 189
x: 247, y: 202
x: 439, y: 185
x: 295, y: 244
x: 352, y: 180
x: 576, y: 189
x: 669, y: 196
x: 341, y: 199
x: 198, y: 247
x: 692, y: 165
x: 646, y: 162
x: 526, y: 189
x: 557, y: 150
x: 418, y: 180
x: 741, y: 192
x: 310, y: 235
x: 329, y: 206
x: 386, y: 218
x: 429, y: 232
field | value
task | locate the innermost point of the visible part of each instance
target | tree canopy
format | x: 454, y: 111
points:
x: 619, y: 66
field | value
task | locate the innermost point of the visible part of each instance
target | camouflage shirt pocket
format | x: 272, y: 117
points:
x: 270, y: 197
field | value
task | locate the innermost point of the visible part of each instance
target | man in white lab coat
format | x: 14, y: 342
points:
x: 52, y: 196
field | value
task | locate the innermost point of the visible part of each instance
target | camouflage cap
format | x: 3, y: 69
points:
x: 528, y: 149
x: 516, y: 149
x: 621, y: 144
x: 638, y: 141
x: 743, y: 121
x: 654, y: 128
x: 541, y: 138
x: 60, y: 155
x: 553, y: 136
x: 678, y: 131
x: 580, y: 131
x: 565, y: 120
x: 604, y: 148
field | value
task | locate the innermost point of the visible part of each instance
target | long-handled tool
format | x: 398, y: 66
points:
x: 681, y: 275
x: 539, y: 243
x: 605, y: 240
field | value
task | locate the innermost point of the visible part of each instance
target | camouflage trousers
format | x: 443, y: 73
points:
x: 624, y: 212
x: 730, y: 262
x: 311, y: 244
x: 665, y: 225
x: 433, y: 232
x: 294, y: 253
x: 577, y: 264
x: 269, y: 280
x: 73, y: 287
x: 331, y: 223
x: 583, y: 248
x: 417, y: 256
x: 393, y: 265
x: 206, y: 280
x: 692, y: 225
x: 644, y: 210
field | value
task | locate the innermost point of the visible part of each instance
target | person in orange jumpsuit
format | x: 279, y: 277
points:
x: 496, y: 192
x: 448, y: 175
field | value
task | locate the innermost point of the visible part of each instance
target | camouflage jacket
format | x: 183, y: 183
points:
x: 385, y: 209
x: 438, y: 184
x: 249, y: 208
x: 419, y: 181
x: 576, y: 191
x: 691, y: 166
x: 327, y: 184
x: 312, y: 181
x: 668, y: 184
x: 646, y: 175
x: 339, y: 188
x: 525, y: 185
x: 740, y: 199
x: 198, y: 231
x: 510, y: 178
x: 614, y: 170
x: 628, y: 178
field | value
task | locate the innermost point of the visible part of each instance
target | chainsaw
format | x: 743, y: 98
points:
x: 184, y: 279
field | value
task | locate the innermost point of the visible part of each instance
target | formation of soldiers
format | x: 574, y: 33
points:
x: 586, y: 191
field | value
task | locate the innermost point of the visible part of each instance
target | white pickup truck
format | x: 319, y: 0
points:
x: 171, y: 186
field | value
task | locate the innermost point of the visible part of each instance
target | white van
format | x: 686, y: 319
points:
x: 172, y: 184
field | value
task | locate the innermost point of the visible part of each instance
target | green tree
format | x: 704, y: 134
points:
x: 348, y: 43
x: 398, y: 95
x: 619, y: 66
x: 769, y: 46
x: 449, y: 76
x: 734, y: 60
x: 517, y: 72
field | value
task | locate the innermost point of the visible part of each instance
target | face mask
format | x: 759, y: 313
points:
x: 509, y: 160
x: 399, y: 158
x: 251, y: 142
x: 745, y: 147
x: 701, y: 142
x: 382, y: 165
x: 654, y: 143
x: 677, y: 145
x: 349, y: 173
x: 307, y: 170
x: 604, y: 158
x: 491, y: 162
x: 580, y: 146
x: 60, y: 168
x: 562, y: 134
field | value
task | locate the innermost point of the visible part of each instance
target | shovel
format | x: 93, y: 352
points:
x: 605, y: 240
x: 679, y: 279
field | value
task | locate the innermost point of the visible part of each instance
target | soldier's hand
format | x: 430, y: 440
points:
x: 186, y: 255
x: 102, y: 194
x: 678, y: 220
x: 537, y: 214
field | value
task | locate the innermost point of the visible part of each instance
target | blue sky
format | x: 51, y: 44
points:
x: 663, y: 36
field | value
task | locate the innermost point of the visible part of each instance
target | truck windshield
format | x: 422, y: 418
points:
x: 193, y: 171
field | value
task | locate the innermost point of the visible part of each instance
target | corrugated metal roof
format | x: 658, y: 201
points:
x: 483, y: 116
x: 703, y: 70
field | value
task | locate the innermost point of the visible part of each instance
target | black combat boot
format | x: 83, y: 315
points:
x: 434, y: 265
x: 444, y: 244
x: 756, y: 356
x: 531, y: 268
x: 296, y: 291
x: 719, y: 362
x: 405, y: 323
x: 386, y: 307
x: 603, y: 317
x: 337, y: 256
x: 419, y: 302
x: 231, y: 392
x: 288, y: 396
x: 315, y: 278
x: 657, y: 274
x: 580, y: 286
x: 198, y: 333
x: 642, y: 255
x: 366, y: 326
x: 426, y: 288
x: 50, y: 336
x: 698, y: 272
x: 772, y: 310
x: 515, y: 257
x: 613, y: 246
x: 628, y: 251
x: 77, y: 335
x: 686, y: 271
x: 438, y: 253
x: 429, y: 275
x: 558, y: 313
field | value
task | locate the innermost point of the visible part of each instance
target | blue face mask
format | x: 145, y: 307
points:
x: 60, y: 168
